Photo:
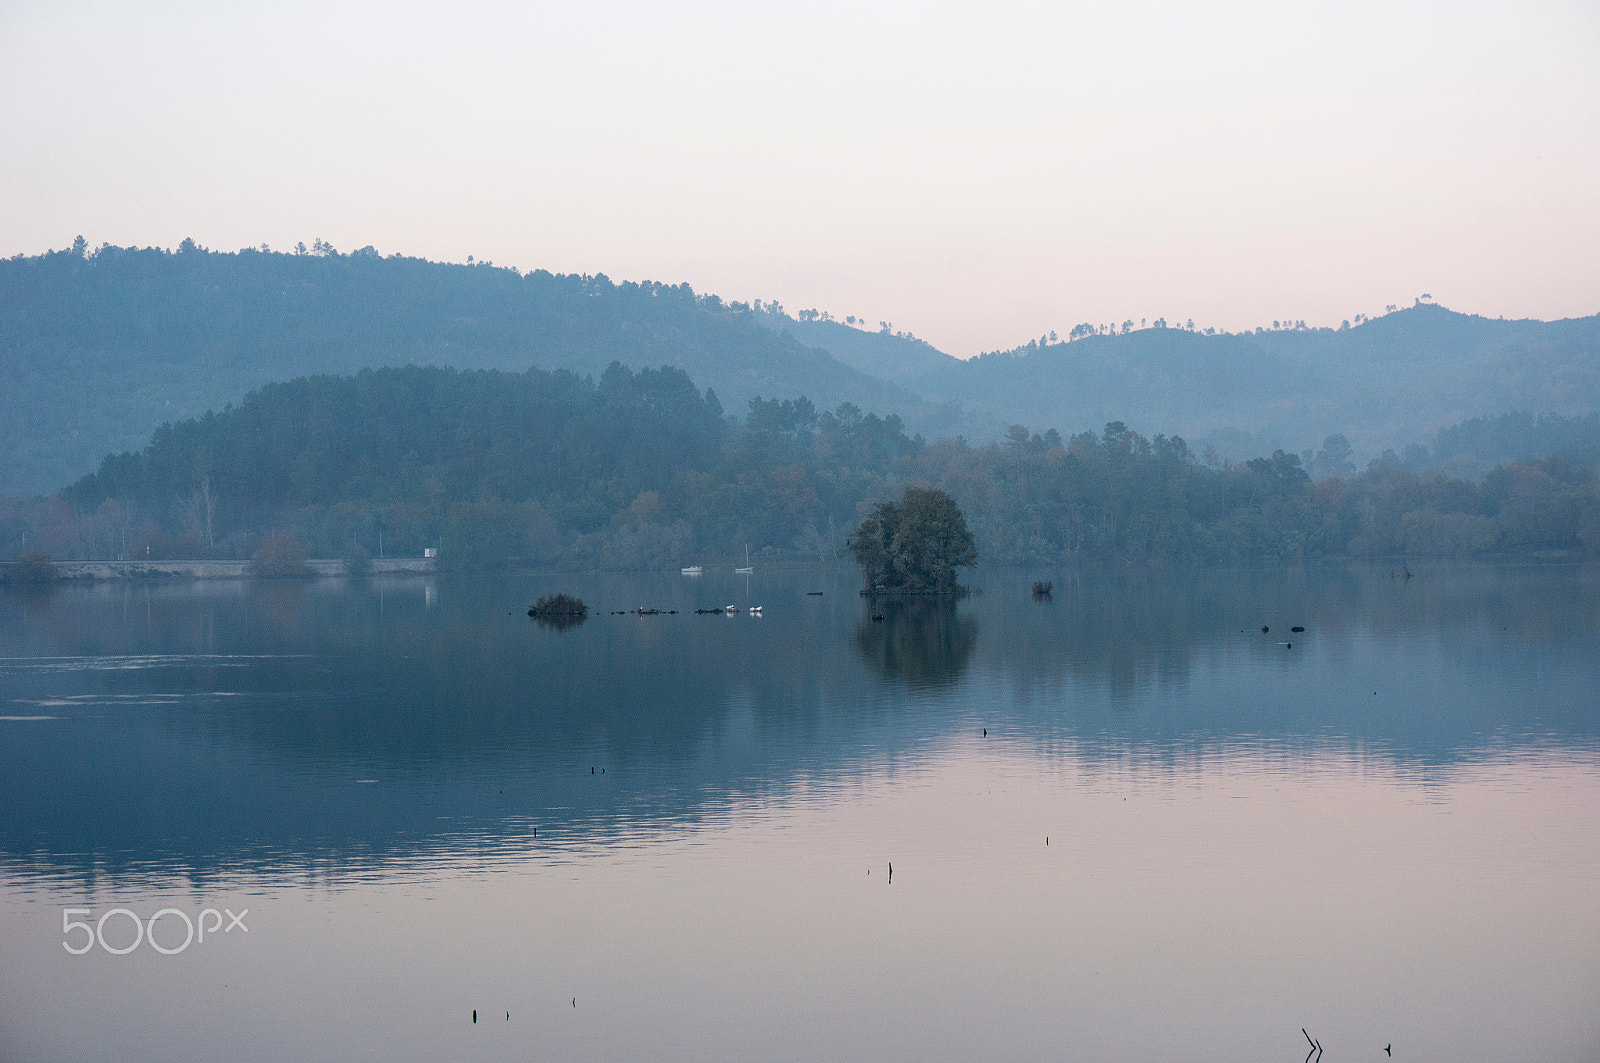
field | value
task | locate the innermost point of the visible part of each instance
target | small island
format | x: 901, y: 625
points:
x: 914, y: 547
x: 559, y: 610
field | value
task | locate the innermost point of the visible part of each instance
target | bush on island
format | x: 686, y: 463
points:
x: 559, y: 610
x: 914, y: 547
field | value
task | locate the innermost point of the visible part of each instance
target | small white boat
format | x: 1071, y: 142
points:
x: 744, y: 571
x: 754, y: 610
x: 693, y: 570
x: 733, y: 610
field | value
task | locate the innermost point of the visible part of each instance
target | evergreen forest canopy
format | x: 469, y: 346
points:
x: 642, y: 469
x: 1475, y: 447
x: 99, y: 348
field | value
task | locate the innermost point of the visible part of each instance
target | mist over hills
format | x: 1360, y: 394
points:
x: 894, y: 356
x: 97, y: 349
x: 1384, y: 383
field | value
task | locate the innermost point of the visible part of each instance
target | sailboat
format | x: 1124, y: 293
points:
x: 748, y: 567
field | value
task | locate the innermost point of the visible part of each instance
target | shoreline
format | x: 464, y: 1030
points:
x: 91, y: 571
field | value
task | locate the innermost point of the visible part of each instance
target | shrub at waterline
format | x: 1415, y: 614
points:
x: 31, y: 567
x: 281, y: 555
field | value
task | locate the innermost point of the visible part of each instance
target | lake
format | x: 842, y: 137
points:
x: 1124, y: 823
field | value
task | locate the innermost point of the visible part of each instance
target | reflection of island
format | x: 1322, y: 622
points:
x: 559, y: 621
x: 254, y: 712
x: 921, y: 641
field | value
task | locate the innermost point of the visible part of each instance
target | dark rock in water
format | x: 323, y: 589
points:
x: 1041, y: 589
x: 1264, y: 629
x: 877, y: 616
x: 1297, y: 629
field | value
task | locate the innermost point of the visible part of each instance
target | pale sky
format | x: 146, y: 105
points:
x: 976, y: 173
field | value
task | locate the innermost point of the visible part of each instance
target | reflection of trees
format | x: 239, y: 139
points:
x: 463, y: 709
x: 281, y: 601
x: 921, y: 640
x: 1123, y: 631
x: 31, y: 590
x: 559, y: 621
x: 1129, y: 632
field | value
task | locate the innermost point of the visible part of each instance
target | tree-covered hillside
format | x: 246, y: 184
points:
x: 632, y: 469
x: 894, y: 356
x: 1384, y: 383
x: 98, y: 349
x: 1474, y: 447
x: 644, y: 470
x: 1155, y: 377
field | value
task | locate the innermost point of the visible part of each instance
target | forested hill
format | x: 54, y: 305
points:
x: 641, y: 469
x: 1383, y: 383
x: 895, y: 356
x: 632, y: 468
x: 98, y: 349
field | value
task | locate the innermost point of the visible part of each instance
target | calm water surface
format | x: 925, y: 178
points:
x: 669, y: 837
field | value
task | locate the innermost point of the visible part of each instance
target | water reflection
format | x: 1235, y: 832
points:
x: 559, y: 621
x: 664, y: 836
x: 192, y: 726
x: 922, y: 642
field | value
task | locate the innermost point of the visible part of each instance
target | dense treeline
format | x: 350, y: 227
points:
x: 1474, y: 447
x: 642, y: 469
x: 632, y: 469
x: 1119, y: 496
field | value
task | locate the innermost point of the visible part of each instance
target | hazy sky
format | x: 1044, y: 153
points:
x: 977, y: 173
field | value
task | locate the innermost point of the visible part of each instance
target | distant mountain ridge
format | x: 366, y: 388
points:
x: 1384, y: 383
x: 896, y: 357
x: 96, y: 350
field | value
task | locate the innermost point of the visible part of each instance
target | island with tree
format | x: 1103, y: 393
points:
x: 915, y: 546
